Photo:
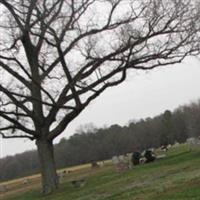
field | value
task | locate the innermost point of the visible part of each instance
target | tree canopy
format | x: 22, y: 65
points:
x: 57, y: 56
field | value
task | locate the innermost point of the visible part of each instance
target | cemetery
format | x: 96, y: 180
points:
x: 120, y: 177
x: 56, y: 58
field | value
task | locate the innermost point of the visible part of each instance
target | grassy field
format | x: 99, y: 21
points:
x: 175, y: 177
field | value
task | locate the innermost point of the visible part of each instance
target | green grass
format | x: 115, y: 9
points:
x: 176, y: 177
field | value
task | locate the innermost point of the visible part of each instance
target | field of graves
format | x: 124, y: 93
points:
x: 175, y: 177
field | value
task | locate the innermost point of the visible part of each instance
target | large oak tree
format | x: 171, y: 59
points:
x: 56, y: 56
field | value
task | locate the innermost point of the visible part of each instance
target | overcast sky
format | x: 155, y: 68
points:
x: 142, y: 95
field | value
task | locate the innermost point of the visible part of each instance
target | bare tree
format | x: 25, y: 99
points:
x: 56, y: 56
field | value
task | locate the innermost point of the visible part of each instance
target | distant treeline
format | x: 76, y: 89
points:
x: 92, y: 144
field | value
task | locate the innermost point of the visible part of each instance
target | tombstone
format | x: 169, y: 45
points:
x: 3, y: 188
x: 152, y: 150
x: 150, y: 157
x: 120, y: 163
x: 61, y: 175
x: 176, y: 144
x: 126, y: 159
x: 101, y: 163
x: 115, y: 160
x: 78, y: 183
x: 26, y: 181
x: 164, y: 148
x: 193, y: 143
x: 116, y: 163
x: 124, y: 162
x: 136, y: 158
x: 169, y: 146
x: 94, y: 164
x: 143, y: 160
x: 161, y: 156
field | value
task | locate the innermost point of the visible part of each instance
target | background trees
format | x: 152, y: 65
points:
x: 103, y: 143
x: 57, y: 56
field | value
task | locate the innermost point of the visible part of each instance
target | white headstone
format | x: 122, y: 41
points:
x: 115, y: 160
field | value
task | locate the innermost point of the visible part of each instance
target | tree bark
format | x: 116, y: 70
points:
x: 47, y: 166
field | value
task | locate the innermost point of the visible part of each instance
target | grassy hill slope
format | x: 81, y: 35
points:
x: 176, y: 177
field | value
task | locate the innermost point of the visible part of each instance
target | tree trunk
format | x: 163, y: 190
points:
x: 47, y: 165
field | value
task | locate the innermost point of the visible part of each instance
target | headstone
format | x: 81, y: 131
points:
x: 94, y: 164
x: 136, y: 158
x: 150, y: 157
x: 143, y: 160
x: 164, y: 148
x: 78, y: 183
x: 101, y: 163
x: 26, y: 181
x: 115, y: 160
x: 120, y: 163
x: 193, y: 143
x: 161, y: 156
x: 176, y: 144
x: 3, y: 188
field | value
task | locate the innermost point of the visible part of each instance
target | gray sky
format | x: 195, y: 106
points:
x: 144, y: 94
